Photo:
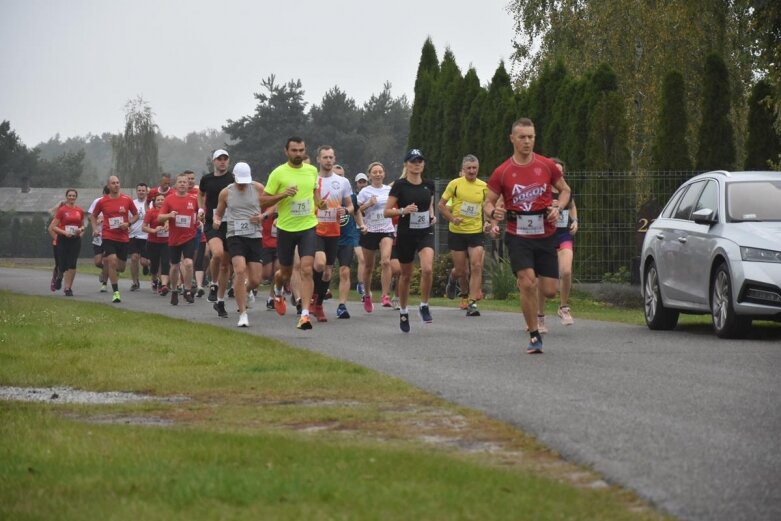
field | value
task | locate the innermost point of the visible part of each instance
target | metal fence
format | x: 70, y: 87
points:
x: 614, y: 210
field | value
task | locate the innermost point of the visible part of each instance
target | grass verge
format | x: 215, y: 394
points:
x: 266, y: 431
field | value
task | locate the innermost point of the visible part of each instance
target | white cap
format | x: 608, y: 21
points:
x: 242, y: 174
x: 218, y: 153
x: 361, y: 176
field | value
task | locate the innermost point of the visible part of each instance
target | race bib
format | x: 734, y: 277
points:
x: 563, y: 220
x: 115, y: 222
x: 327, y: 216
x: 71, y: 230
x: 244, y: 227
x: 184, y: 221
x: 530, y: 224
x: 419, y: 220
x: 273, y: 230
x: 163, y: 233
x: 97, y: 240
x: 470, y: 209
x: 301, y: 208
x: 376, y: 218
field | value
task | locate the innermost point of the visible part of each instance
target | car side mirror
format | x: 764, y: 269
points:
x: 704, y: 216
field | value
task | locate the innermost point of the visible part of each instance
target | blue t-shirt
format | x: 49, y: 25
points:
x: 349, y: 233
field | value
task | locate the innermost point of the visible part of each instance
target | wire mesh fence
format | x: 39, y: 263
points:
x: 614, y: 211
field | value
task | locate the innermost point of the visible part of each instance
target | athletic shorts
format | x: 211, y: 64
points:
x: 68, y: 249
x: 97, y: 250
x: 538, y: 254
x: 247, y: 247
x: 182, y: 251
x: 287, y: 242
x: 115, y: 248
x: 137, y: 245
x: 464, y: 241
x: 345, y: 255
x: 564, y: 239
x: 268, y: 255
x: 211, y: 233
x: 371, y: 241
x: 329, y: 245
x: 409, y: 245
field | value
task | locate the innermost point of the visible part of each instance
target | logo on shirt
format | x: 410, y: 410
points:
x: 524, y: 196
x: 122, y: 209
x: 190, y: 206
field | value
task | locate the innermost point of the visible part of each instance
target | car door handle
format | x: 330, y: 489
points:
x: 682, y: 239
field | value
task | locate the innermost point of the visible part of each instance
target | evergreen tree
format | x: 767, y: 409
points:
x: 499, y: 111
x: 385, y: 125
x: 472, y: 136
x: 420, y: 121
x: 335, y: 122
x: 607, y: 147
x: 764, y: 142
x: 469, y: 143
x: 670, y: 151
x: 541, y: 98
x: 716, y: 139
x: 135, y: 151
x: 451, y: 99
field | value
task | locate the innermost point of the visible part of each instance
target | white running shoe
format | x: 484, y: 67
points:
x: 565, y: 316
x: 243, y: 320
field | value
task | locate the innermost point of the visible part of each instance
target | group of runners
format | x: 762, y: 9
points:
x: 295, y: 228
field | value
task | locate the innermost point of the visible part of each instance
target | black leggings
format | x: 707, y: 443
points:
x: 200, y: 254
x: 159, y: 262
x: 68, y: 249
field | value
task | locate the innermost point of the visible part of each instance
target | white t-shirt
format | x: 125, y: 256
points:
x: 373, y: 216
x: 136, y: 229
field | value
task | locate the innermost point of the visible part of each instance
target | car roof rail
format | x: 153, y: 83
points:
x: 722, y: 172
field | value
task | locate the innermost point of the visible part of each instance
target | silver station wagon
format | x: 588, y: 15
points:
x: 716, y: 248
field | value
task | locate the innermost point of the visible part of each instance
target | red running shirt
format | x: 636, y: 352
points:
x: 181, y: 228
x: 115, y: 212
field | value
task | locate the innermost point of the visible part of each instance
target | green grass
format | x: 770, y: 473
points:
x: 267, y: 432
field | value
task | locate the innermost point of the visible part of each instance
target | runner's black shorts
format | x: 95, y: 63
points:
x: 115, y: 248
x: 268, y: 255
x: 137, y: 245
x: 182, y: 251
x: 408, y: 245
x: 248, y: 247
x: 329, y: 245
x: 371, y: 241
x: 464, y: 241
x: 211, y: 233
x: 345, y: 254
x: 538, y: 254
x: 287, y: 242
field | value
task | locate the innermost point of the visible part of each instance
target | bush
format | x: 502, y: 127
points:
x: 503, y: 280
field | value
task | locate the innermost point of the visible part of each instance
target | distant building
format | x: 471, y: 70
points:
x: 28, y: 202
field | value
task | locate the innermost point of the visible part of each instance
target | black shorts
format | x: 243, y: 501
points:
x: 371, y: 241
x: 329, y: 245
x: 211, y: 233
x: 538, y: 254
x: 287, y: 242
x: 115, y: 248
x: 248, y: 247
x: 137, y: 246
x: 182, y: 251
x: 464, y: 241
x: 68, y: 249
x: 345, y: 255
x: 97, y: 250
x: 268, y: 255
x: 408, y: 245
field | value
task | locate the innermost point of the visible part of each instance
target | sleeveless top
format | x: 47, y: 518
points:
x: 241, y: 206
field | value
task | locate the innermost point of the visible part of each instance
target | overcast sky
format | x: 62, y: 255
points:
x: 69, y: 66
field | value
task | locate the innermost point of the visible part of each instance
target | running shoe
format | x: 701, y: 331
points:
x: 404, y: 322
x: 163, y: 290
x: 135, y: 286
x: 155, y: 285
x: 200, y: 292
x: 116, y: 298
x: 219, y: 307
x: 174, y: 298
x: 341, y: 312
x: 464, y: 302
x: 279, y: 304
x: 425, y: 314
x: 565, y: 316
x: 319, y: 313
x: 386, y: 303
x: 68, y: 292
x: 304, y: 323
x: 367, y: 303
x: 535, y: 346
x: 243, y: 320
x: 541, y: 324
x: 58, y: 283
x: 103, y: 287
x: 360, y: 289
x: 188, y: 296
x: 451, y: 288
x: 231, y: 293
x: 395, y: 303
x: 270, y: 303
x: 471, y: 309
x: 212, y: 293
x: 53, y: 284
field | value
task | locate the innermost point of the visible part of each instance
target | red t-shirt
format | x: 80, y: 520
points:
x: 153, y: 192
x: 526, y: 190
x: 182, y: 227
x: 115, y: 212
x: 269, y: 232
x: 150, y: 219
x: 70, y: 216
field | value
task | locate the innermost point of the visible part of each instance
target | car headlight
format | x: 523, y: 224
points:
x: 759, y: 255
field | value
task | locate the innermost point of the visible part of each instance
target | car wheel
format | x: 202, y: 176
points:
x: 726, y: 323
x: 657, y: 317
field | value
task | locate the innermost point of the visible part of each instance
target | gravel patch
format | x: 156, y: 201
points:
x: 70, y: 395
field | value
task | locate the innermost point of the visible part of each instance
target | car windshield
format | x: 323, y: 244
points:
x: 754, y: 201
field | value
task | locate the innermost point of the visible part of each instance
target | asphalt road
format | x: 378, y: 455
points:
x: 690, y: 422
